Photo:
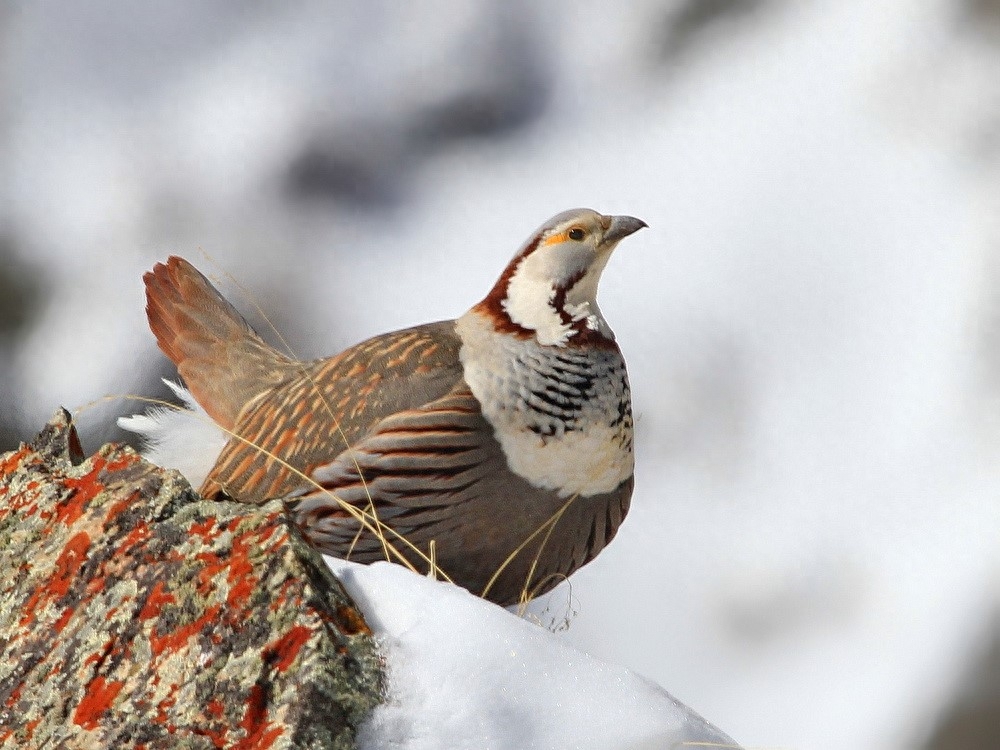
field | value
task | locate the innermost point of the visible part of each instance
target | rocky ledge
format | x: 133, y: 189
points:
x: 134, y: 614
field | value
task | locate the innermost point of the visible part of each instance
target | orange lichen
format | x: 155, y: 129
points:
x: 65, y: 571
x: 174, y: 639
x: 100, y: 695
x: 155, y: 601
x: 259, y: 733
x: 287, y: 647
x: 350, y: 621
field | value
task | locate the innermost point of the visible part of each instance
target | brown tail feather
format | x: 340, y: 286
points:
x: 223, y: 361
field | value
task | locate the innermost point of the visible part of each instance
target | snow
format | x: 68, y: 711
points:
x: 812, y: 558
x: 463, y: 672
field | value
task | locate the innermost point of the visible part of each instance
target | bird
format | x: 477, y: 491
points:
x: 494, y: 450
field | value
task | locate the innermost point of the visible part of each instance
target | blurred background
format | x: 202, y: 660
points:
x: 811, y: 322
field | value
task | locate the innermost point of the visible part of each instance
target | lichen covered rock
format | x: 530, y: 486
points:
x: 133, y: 614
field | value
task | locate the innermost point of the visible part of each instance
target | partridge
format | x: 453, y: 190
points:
x: 495, y: 448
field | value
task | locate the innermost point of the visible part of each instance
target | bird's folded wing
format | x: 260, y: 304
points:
x: 329, y: 406
x: 413, y: 472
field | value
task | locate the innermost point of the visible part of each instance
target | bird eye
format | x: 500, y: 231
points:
x: 575, y: 234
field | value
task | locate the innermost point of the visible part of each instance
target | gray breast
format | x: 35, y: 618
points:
x: 568, y: 390
x: 562, y: 415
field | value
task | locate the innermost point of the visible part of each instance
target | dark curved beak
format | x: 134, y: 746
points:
x: 621, y: 227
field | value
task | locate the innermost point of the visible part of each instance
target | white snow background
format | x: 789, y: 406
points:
x: 812, y: 557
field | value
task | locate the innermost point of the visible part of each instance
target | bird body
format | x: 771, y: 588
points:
x: 499, y: 445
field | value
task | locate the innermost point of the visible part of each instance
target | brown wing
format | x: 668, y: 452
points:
x: 329, y: 405
x: 414, y: 470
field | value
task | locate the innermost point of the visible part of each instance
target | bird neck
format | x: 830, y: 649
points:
x: 527, y: 302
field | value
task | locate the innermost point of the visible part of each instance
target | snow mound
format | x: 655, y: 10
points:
x: 466, y: 673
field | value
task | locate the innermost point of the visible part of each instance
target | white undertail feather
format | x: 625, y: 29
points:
x: 185, y: 439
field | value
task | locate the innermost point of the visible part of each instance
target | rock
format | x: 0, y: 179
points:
x: 134, y: 614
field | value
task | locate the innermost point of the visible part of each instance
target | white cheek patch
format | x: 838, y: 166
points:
x: 531, y: 294
x: 529, y: 305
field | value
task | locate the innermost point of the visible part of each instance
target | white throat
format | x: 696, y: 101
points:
x: 531, y: 299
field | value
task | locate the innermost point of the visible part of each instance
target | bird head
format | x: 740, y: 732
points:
x: 549, y: 289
